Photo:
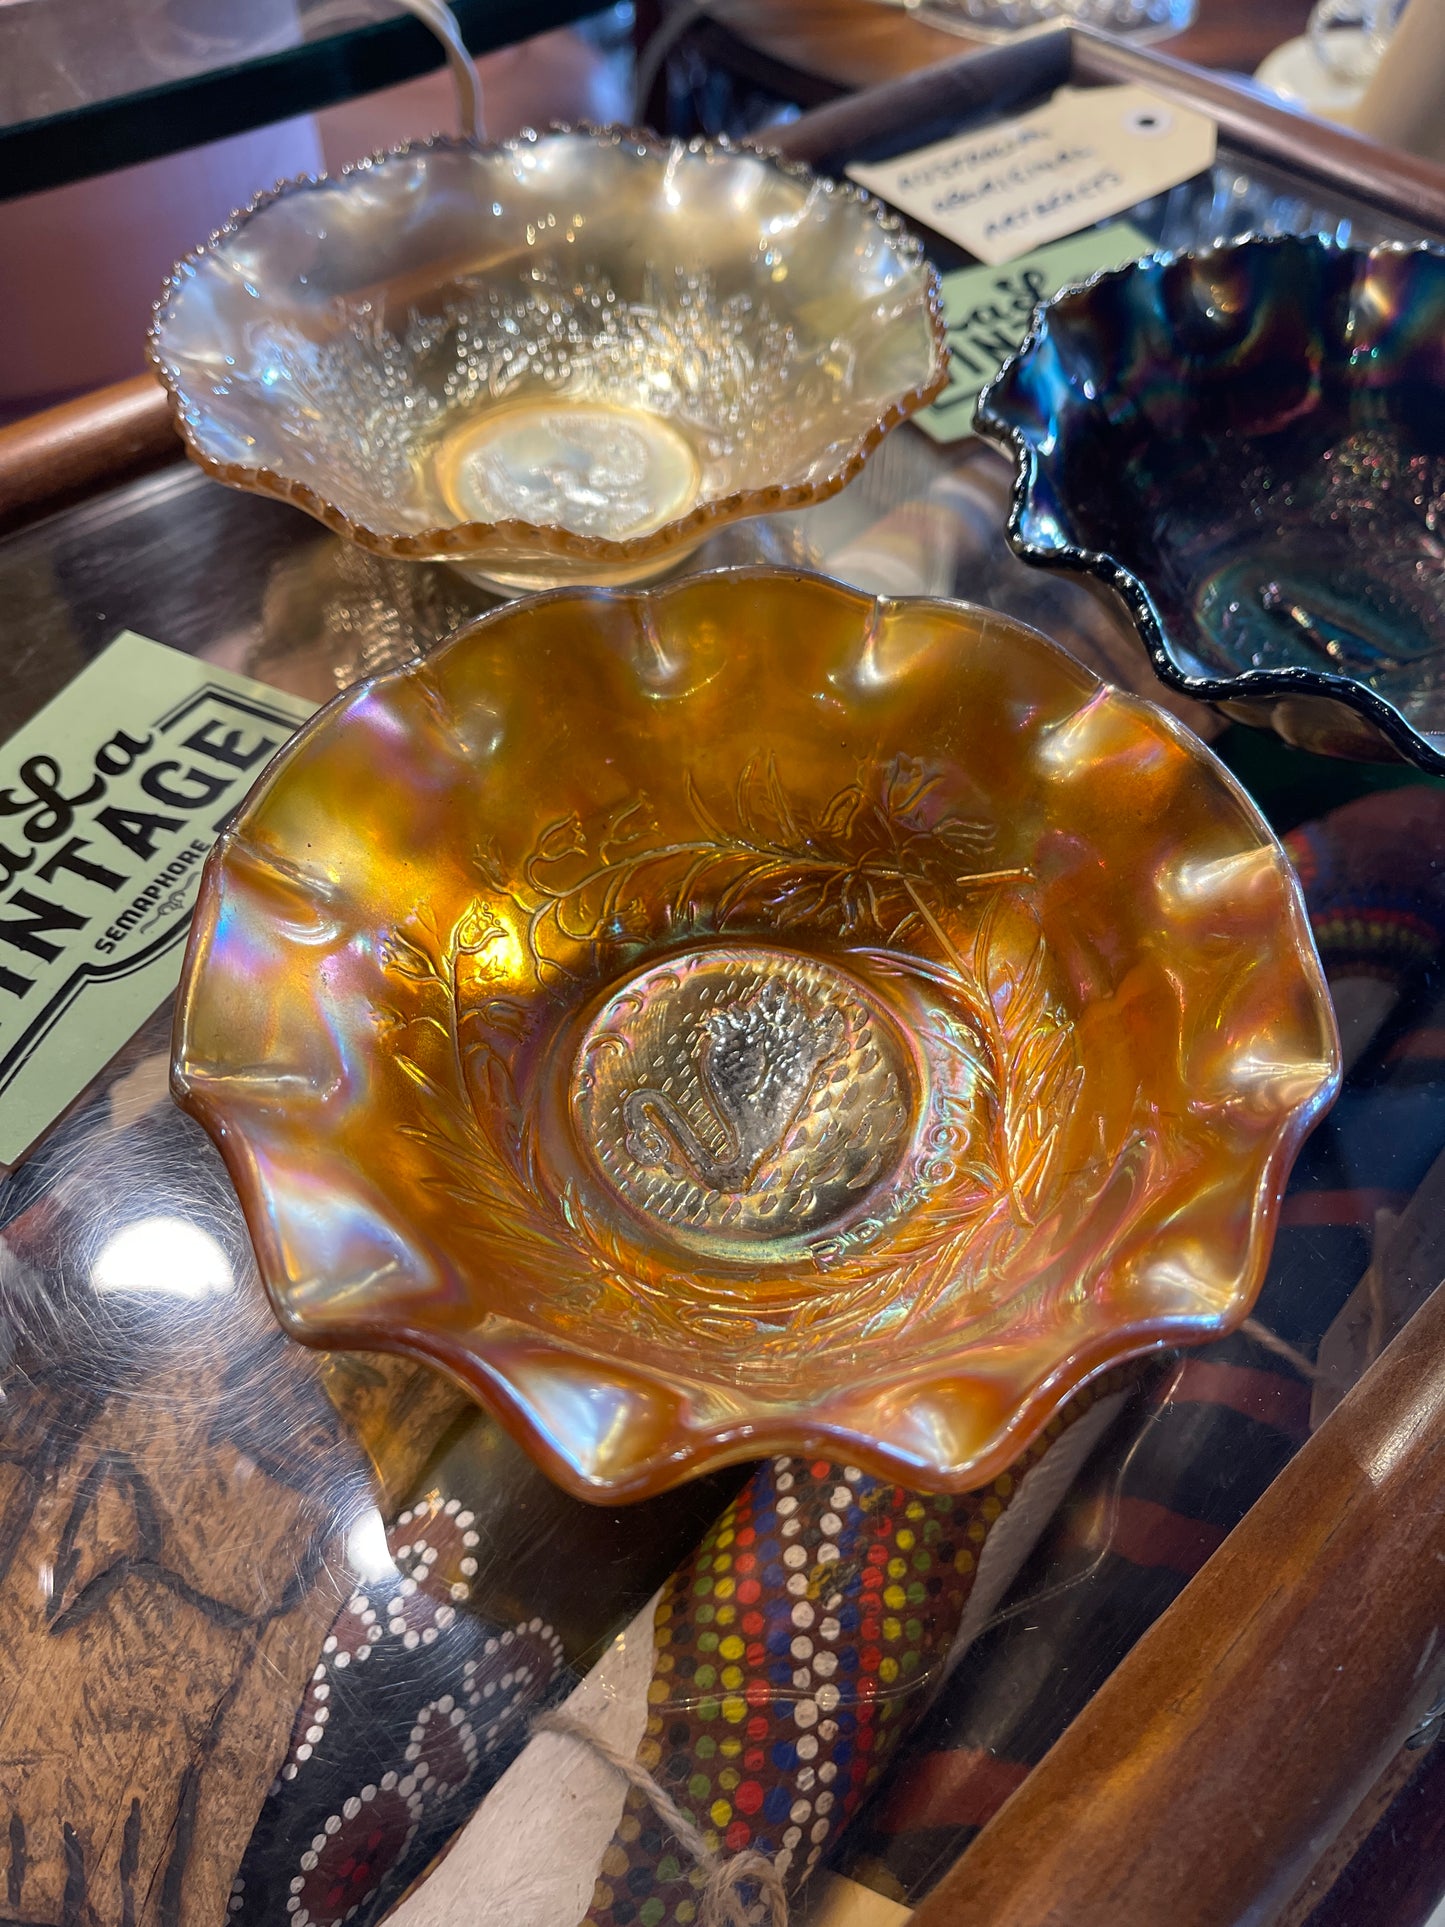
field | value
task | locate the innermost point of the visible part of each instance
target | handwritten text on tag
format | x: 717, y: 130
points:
x: 1008, y: 188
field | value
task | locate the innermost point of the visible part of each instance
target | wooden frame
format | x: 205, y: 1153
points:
x: 1214, y: 1770
x: 1232, y: 1746
x: 1003, y: 78
x: 66, y: 453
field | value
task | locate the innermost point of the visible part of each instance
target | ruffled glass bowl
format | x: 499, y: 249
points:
x: 568, y: 358
x: 1004, y: 20
x: 1249, y: 444
x: 747, y: 1017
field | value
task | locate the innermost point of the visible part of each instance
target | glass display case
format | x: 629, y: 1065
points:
x: 282, y: 1629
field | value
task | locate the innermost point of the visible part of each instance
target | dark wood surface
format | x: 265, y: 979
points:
x: 1247, y: 1726
x: 857, y: 43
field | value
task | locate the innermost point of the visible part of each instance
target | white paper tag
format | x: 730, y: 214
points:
x: 1086, y: 154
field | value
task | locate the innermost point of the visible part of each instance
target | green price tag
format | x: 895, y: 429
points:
x: 110, y: 800
x: 988, y: 312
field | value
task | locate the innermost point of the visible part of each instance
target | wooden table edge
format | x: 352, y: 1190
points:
x: 1230, y: 1746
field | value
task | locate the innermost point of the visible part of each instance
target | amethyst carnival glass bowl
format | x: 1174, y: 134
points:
x: 1248, y: 443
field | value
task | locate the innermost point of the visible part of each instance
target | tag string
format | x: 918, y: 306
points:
x: 720, y: 1898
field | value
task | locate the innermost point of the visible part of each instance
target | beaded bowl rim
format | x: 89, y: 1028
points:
x: 992, y: 422
x: 463, y: 540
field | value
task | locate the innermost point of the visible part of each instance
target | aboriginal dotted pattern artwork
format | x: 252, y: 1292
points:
x: 414, y: 1709
x: 791, y: 1653
x: 1368, y: 921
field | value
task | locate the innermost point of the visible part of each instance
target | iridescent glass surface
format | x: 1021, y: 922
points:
x: 187, y: 1512
x: 754, y: 1017
x: 567, y: 358
x: 1250, y: 444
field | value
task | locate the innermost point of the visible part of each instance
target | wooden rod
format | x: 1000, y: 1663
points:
x: 94, y: 441
x: 1206, y: 1776
x: 998, y: 79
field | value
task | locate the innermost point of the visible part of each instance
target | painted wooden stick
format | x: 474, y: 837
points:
x: 763, y: 1691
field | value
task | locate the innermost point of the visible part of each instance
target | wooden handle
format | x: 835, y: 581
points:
x: 1207, y: 1775
x: 999, y: 79
x: 97, y: 439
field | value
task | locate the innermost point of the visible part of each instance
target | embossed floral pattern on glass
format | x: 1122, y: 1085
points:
x: 567, y: 357
x: 748, y: 1017
x: 1249, y: 443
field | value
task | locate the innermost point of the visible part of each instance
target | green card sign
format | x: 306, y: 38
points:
x: 110, y: 800
x: 988, y: 310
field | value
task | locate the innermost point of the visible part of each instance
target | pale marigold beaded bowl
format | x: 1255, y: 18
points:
x: 567, y: 358
x: 747, y: 1017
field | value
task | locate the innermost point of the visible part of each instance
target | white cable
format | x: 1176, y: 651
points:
x: 443, y: 22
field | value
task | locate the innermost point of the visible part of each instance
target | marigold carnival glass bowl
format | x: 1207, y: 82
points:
x: 745, y: 1017
x: 1249, y: 444
x: 567, y: 358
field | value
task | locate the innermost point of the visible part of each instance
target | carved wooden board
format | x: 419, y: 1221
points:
x: 176, y: 1488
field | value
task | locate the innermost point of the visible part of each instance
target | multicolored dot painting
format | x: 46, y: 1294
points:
x: 415, y: 1707
x: 790, y: 1652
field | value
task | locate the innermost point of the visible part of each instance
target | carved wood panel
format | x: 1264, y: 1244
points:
x: 176, y: 1490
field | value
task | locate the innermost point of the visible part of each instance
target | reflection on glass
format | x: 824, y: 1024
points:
x: 165, y: 1256
x: 367, y: 1553
x: 1004, y: 19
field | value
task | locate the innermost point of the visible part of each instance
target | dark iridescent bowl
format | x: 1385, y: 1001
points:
x: 1248, y: 442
